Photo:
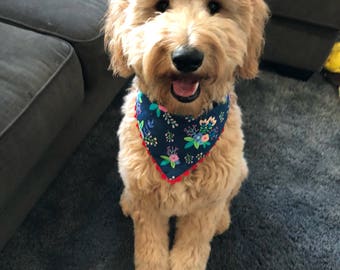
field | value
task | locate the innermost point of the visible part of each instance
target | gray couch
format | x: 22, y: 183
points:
x: 300, y: 34
x: 54, y: 85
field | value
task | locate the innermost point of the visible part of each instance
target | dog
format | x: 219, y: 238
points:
x: 181, y: 142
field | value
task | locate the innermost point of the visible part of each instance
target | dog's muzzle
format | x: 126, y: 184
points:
x: 186, y: 59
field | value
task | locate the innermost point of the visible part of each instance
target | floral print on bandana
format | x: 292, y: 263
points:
x: 177, y: 143
x: 171, y: 158
x: 200, y: 136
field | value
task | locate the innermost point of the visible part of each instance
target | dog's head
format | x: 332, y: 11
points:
x: 185, y: 54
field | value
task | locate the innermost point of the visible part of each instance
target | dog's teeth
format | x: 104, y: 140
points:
x: 196, y: 86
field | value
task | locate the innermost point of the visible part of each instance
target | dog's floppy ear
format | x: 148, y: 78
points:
x: 255, y: 44
x: 114, y: 30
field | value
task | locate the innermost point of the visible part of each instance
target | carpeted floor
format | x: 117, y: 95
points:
x: 287, y: 215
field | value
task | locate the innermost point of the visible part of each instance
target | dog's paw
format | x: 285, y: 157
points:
x: 152, y: 266
x: 190, y: 259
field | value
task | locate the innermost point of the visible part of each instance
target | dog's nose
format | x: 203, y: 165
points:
x: 187, y: 59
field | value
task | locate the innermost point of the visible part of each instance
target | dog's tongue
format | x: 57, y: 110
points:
x: 185, y: 87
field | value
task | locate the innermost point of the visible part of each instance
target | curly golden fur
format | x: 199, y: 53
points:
x: 140, y: 39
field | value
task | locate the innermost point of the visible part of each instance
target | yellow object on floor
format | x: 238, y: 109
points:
x: 333, y: 61
x: 332, y: 65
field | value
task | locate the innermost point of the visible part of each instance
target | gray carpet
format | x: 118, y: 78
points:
x: 287, y: 215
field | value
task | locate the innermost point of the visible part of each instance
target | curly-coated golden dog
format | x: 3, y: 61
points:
x: 186, y: 56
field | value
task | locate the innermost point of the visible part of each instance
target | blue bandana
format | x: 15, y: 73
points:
x: 178, y: 143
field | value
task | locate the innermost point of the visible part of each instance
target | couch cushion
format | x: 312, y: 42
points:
x: 299, y: 45
x: 323, y: 13
x: 77, y: 21
x: 40, y: 87
x: 74, y: 20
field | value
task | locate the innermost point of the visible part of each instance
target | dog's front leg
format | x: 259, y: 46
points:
x: 192, y: 242
x: 151, y: 239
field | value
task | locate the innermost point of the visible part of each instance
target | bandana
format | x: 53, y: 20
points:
x: 178, y: 143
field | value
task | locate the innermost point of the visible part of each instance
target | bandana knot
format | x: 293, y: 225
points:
x: 178, y: 143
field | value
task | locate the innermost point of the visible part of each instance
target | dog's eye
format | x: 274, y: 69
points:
x: 162, y: 6
x: 214, y: 7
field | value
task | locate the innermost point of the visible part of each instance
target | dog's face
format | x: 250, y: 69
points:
x: 186, y: 54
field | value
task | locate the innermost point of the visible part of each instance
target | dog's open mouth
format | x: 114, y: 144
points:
x: 185, y: 89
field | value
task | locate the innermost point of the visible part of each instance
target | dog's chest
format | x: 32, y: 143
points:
x: 208, y: 183
x: 179, y: 200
